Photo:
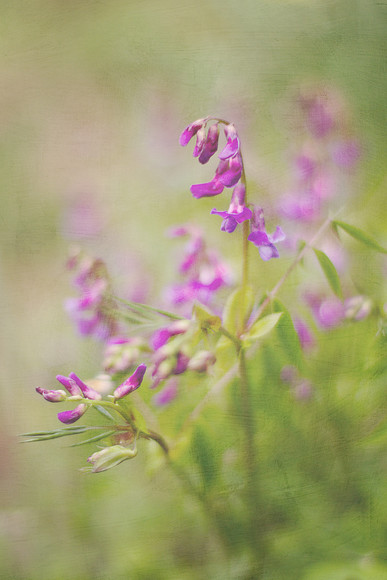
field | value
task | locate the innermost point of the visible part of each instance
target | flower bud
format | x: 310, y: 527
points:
x: 73, y: 415
x: 109, y: 457
x: 70, y: 385
x: 88, y: 392
x: 52, y: 396
x: 357, y: 307
x: 131, y: 384
x: 201, y: 361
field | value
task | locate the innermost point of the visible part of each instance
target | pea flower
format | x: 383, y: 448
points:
x: 237, y: 212
x: 265, y: 242
x: 131, y: 384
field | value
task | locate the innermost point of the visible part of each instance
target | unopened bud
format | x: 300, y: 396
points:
x: 52, y: 396
x: 110, y: 457
x: 201, y: 361
x: 131, y: 384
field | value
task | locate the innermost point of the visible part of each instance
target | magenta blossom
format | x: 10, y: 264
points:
x: 51, y: 395
x: 265, y: 242
x: 167, y: 394
x: 237, y: 212
x: 191, y: 131
x: 73, y: 415
x: 131, y: 384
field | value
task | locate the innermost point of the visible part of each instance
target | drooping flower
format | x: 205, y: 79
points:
x: 92, y: 310
x: 237, y: 212
x: 202, y: 270
x: 233, y: 145
x: 191, y: 131
x: 265, y: 242
x: 230, y: 167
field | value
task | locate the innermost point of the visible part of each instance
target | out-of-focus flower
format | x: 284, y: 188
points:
x: 131, y: 384
x: 92, y: 310
x: 305, y: 335
x: 122, y: 353
x: 237, y: 212
x: 109, y: 457
x: 201, y: 361
x: 357, y: 308
x: 203, y: 271
x: 265, y: 242
x: 328, y: 312
x: 167, y: 394
x: 346, y: 153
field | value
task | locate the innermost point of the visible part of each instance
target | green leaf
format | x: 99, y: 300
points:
x: 207, y: 319
x: 238, y: 309
x: 144, y: 311
x: 261, y: 328
x: 329, y: 271
x: 287, y: 335
x: 203, y: 452
x: 95, y: 438
x: 360, y: 236
x: 104, y: 412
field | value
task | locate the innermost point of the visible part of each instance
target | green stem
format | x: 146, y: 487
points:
x: 292, y: 266
x: 256, y: 524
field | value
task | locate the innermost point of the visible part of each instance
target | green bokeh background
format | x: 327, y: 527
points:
x: 94, y: 96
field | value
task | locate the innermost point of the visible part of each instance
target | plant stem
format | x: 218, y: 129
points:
x: 292, y: 266
x: 256, y: 524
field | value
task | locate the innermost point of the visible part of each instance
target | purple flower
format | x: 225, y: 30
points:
x: 328, y: 312
x: 70, y: 385
x: 73, y: 415
x: 213, y: 187
x: 162, y: 335
x: 233, y: 145
x: 87, y: 391
x: 265, y: 242
x: 305, y: 335
x: 131, y: 384
x: 211, y: 144
x: 166, y: 395
x: 229, y: 171
x: 346, y: 153
x: 237, y: 212
x: 191, y: 131
x: 52, y: 396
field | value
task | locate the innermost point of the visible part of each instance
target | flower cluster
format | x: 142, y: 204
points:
x: 331, y: 312
x: 92, y: 310
x: 229, y: 173
x: 173, y: 352
x: 80, y: 391
x: 325, y: 154
x: 204, y: 273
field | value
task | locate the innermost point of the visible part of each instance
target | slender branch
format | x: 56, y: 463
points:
x: 292, y: 266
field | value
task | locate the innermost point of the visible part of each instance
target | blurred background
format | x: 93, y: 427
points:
x: 93, y: 98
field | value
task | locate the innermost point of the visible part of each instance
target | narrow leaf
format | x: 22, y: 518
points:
x: 238, y: 309
x: 329, y: 271
x: 207, y: 319
x: 95, y: 438
x: 287, y: 335
x: 147, y: 311
x: 261, y: 328
x: 104, y: 412
x: 361, y: 236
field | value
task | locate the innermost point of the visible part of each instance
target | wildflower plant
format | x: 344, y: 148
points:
x: 172, y: 373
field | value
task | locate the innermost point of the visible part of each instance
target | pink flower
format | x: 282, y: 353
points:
x: 265, y: 242
x: 237, y: 212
